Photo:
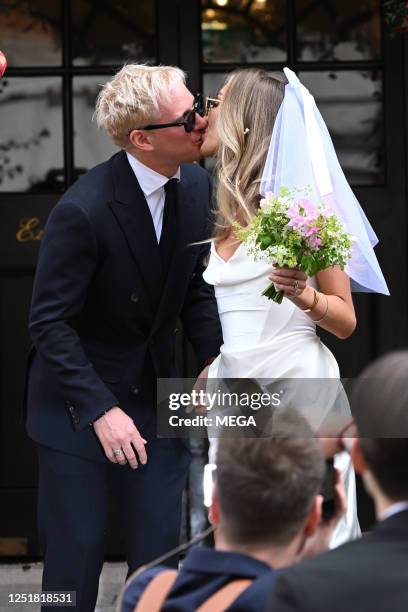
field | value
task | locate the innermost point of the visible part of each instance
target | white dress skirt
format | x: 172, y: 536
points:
x: 264, y: 340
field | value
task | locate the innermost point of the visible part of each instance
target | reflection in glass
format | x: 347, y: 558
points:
x: 91, y: 146
x: 212, y: 82
x: 239, y: 31
x: 351, y: 104
x: 30, y: 32
x: 113, y: 31
x: 338, y: 30
x: 31, y: 145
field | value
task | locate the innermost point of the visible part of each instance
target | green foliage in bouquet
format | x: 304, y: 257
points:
x: 289, y: 230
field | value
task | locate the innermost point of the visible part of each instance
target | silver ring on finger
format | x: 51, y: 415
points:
x: 117, y: 452
x: 296, y: 288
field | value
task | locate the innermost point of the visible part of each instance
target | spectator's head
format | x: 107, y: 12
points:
x: 139, y: 96
x: 380, y: 408
x: 267, y: 490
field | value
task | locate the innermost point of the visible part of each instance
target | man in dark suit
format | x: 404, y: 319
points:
x: 370, y: 574
x: 119, y: 264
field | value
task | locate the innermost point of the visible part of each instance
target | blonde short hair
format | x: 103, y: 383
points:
x: 132, y: 98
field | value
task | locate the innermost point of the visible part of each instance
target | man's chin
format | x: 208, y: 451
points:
x: 195, y: 156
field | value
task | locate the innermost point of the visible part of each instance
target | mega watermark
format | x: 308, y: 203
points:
x: 245, y: 407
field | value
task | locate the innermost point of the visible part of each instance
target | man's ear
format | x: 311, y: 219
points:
x: 315, y: 516
x: 140, y: 140
x: 357, y: 457
x: 214, y: 509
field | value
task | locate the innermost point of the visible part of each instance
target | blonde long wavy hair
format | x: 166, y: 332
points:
x: 245, y: 122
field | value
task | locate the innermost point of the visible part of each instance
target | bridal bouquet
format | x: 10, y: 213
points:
x: 291, y: 230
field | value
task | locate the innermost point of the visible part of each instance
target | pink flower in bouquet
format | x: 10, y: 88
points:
x: 302, y: 214
x: 313, y: 229
x: 296, y: 219
x: 310, y: 210
x: 314, y: 241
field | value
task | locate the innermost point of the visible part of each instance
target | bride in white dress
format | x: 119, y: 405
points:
x: 262, y: 339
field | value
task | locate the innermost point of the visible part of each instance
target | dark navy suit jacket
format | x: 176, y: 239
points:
x: 103, y: 318
x: 204, y: 572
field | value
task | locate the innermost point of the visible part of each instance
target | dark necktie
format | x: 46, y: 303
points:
x: 168, y: 233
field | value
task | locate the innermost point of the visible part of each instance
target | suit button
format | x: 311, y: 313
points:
x: 76, y: 420
x: 134, y: 298
x: 176, y: 330
x: 134, y: 390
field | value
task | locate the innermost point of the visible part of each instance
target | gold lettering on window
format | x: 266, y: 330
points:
x: 29, y: 230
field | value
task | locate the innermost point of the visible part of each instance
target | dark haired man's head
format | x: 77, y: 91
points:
x: 267, y: 489
x: 380, y: 408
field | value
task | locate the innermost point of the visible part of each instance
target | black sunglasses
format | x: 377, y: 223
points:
x: 188, y: 121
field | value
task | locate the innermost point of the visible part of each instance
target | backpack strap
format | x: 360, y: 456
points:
x: 156, y: 592
x: 224, y: 597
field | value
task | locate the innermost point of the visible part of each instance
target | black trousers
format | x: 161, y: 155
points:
x: 72, y: 514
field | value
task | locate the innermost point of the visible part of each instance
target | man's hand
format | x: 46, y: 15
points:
x: 117, y: 431
x: 203, y: 374
x: 320, y: 541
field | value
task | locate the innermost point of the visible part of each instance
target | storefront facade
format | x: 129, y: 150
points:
x: 61, y: 51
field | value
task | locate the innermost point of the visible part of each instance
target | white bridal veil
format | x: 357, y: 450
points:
x: 301, y: 155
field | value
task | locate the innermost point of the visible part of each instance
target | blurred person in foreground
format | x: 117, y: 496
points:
x: 370, y: 574
x: 266, y: 510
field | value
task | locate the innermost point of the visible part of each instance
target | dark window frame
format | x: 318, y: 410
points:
x: 67, y: 71
x: 315, y: 66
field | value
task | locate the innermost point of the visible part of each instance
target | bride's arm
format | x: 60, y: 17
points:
x: 334, y: 311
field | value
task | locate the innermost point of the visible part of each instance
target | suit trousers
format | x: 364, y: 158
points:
x: 72, y: 513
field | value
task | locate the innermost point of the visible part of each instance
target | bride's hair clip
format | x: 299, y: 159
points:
x: 246, y: 131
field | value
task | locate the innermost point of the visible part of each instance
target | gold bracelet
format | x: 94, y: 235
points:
x: 314, y: 304
x: 327, y: 308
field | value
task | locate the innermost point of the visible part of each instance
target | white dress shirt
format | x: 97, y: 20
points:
x: 152, y: 184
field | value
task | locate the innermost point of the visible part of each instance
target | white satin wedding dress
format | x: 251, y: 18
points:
x: 265, y: 340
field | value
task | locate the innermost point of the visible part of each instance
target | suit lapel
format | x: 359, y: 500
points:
x: 133, y: 215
